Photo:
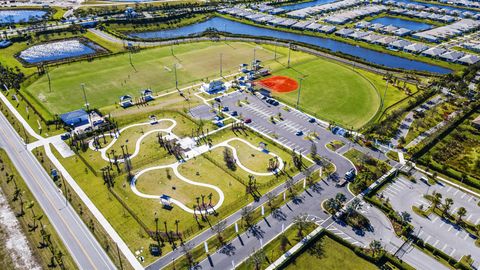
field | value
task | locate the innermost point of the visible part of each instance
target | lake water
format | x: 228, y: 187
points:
x: 306, y: 4
x: 56, y: 51
x: 335, y: 46
x: 415, y: 26
x: 20, y: 15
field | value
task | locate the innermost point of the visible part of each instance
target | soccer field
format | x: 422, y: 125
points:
x: 332, y: 92
x: 109, y: 78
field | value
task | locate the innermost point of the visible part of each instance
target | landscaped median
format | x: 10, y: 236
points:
x: 44, y: 241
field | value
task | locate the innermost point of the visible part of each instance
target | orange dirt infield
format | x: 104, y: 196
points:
x: 279, y: 84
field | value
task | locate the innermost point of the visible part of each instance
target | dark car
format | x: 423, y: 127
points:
x: 65, y: 136
x: 311, y: 120
x: 247, y: 121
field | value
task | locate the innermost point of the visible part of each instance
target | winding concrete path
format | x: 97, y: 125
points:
x: 175, y: 166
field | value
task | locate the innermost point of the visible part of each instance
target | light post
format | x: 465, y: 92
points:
x: 299, y: 90
x: 289, y: 49
x: 176, y: 78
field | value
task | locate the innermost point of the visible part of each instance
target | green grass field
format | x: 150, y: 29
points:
x: 333, y: 92
x: 109, y: 78
x: 330, y: 90
x: 329, y: 255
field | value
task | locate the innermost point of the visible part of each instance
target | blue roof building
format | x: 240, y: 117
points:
x: 75, y: 118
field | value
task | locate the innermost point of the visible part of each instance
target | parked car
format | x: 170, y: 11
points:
x: 311, y: 120
x: 217, y: 99
x: 234, y: 113
x: 247, y: 121
x: 65, y: 136
x: 299, y: 133
x: 225, y: 109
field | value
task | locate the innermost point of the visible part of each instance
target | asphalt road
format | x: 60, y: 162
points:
x: 81, y: 244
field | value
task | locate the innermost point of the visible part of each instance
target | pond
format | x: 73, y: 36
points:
x: 306, y: 4
x: 20, y: 15
x: 412, y: 25
x: 333, y: 45
x: 58, y: 50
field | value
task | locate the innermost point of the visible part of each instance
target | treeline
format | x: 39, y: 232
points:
x: 10, y: 77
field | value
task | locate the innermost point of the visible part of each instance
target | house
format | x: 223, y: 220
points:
x: 434, y: 52
x: 476, y: 122
x: 75, y: 118
x: 415, y: 48
x: 452, y: 56
x: 402, y: 32
x: 344, y: 32
x: 399, y: 44
x: 213, y: 87
x: 469, y: 59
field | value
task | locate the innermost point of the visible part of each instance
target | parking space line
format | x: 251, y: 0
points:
x: 395, y: 188
x: 444, y: 247
x: 449, y: 188
x: 463, y: 196
x: 453, y: 251
x: 449, y: 229
x: 399, y: 183
x: 434, y: 219
x: 466, y: 236
x: 436, y: 242
x: 454, y: 194
x: 471, y: 198
x: 428, y: 238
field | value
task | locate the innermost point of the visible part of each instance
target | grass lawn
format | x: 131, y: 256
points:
x: 251, y: 158
x: 459, y: 151
x: 106, y: 79
x: 369, y: 169
x: 333, y: 92
x: 156, y: 182
x: 431, y: 118
x: 277, y: 247
x: 164, y: 181
x: 328, y: 254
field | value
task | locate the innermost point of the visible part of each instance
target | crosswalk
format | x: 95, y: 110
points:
x: 344, y: 236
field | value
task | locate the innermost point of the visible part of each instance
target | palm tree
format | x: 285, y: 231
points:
x: 219, y: 228
x: 436, y: 199
x: 246, y: 214
x: 376, y: 247
x: 447, y: 205
x: 406, y: 217
x: 340, y: 197
x: 461, y: 212
x: 301, y: 222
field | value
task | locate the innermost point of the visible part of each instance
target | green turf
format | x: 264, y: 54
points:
x: 329, y: 255
x: 109, y: 78
x: 333, y: 92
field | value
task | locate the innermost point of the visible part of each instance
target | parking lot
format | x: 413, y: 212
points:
x: 291, y: 130
x: 437, y: 231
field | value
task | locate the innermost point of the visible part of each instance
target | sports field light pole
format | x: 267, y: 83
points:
x: 384, y: 94
x: 86, y: 104
x: 275, y: 54
x: 299, y: 90
x: 176, y: 78
x: 221, y: 62
x: 289, y: 49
